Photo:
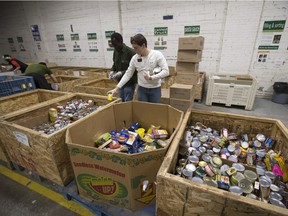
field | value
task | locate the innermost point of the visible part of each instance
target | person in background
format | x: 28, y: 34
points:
x: 121, y: 59
x: 38, y: 71
x: 16, y: 64
x: 151, y: 67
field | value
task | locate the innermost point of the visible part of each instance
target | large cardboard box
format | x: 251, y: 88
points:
x: 172, y: 71
x: 189, y: 56
x: 114, y: 177
x: 187, y: 67
x: 179, y: 196
x: 22, y: 102
x: 99, y: 87
x: 191, y: 43
x: 181, y: 91
x: 46, y: 155
x: 187, y: 78
x: 182, y: 105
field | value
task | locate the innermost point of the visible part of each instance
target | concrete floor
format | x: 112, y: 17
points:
x: 16, y: 200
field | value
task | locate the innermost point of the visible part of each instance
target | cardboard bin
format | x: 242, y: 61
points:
x: 46, y: 155
x: 113, y: 177
x: 179, y: 196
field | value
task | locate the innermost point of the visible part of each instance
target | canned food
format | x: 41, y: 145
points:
x: 197, y: 180
x: 239, y: 167
x: 53, y: 114
x: 277, y: 202
x: 209, y: 171
x: 265, y: 186
x: 250, y: 175
x: 270, y: 175
x: 260, y: 137
x: 223, y: 169
x: 275, y: 195
x: 193, y: 159
x: 191, y: 167
x: 252, y: 196
x: 236, y: 190
x: 216, y: 161
x: 246, y: 186
x: 209, y: 181
x: 206, y: 158
x: 109, y: 97
x: 202, y: 164
x: 236, y: 178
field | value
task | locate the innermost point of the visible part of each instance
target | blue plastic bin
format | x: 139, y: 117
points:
x: 14, y: 84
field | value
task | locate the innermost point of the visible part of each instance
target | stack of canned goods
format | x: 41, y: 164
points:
x: 62, y: 116
x: 207, y: 156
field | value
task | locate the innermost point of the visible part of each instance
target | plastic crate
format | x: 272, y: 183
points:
x: 231, y: 90
x: 15, y: 84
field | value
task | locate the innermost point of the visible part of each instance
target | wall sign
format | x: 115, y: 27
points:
x: 12, y: 46
x: 92, y: 42
x: 35, y: 32
x: 20, y: 42
x: 161, y: 41
x: 272, y: 33
x: 61, y: 46
x: 108, y: 37
x: 191, y: 30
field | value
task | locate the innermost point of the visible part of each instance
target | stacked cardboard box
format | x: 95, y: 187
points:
x: 188, y: 58
x: 187, y: 75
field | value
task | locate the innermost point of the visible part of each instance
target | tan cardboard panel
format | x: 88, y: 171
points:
x: 191, y: 43
x: 189, y: 56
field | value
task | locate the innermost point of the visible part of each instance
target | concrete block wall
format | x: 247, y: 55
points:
x: 232, y: 31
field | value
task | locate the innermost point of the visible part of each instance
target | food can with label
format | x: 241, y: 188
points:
x: 53, y: 114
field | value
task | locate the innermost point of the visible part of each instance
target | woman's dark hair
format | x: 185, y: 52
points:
x: 116, y: 36
x: 139, y: 39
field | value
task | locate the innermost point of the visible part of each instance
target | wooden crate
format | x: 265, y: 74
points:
x: 23, y: 101
x: 99, y: 87
x: 67, y: 83
x: 46, y: 155
x: 179, y: 196
x: 199, y: 87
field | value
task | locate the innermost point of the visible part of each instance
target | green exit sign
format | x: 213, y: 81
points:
x: 277, y: 25
x: 191, y: 30
x: 161, y: 31
x: 91, y: 36
x: 108, y: 34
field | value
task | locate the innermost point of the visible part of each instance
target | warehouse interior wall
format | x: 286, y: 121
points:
x: 233, y: 32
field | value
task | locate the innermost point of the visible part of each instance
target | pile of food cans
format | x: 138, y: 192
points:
x: 244, y: 166
x: 63, y: 115
x: 134, y: 139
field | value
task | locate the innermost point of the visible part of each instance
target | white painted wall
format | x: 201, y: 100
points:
x: 232, y: 31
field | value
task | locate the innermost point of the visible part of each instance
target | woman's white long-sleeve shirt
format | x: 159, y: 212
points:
x: 146, y: 64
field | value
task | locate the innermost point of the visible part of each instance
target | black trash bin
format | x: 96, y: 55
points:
x: 280, y: 94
